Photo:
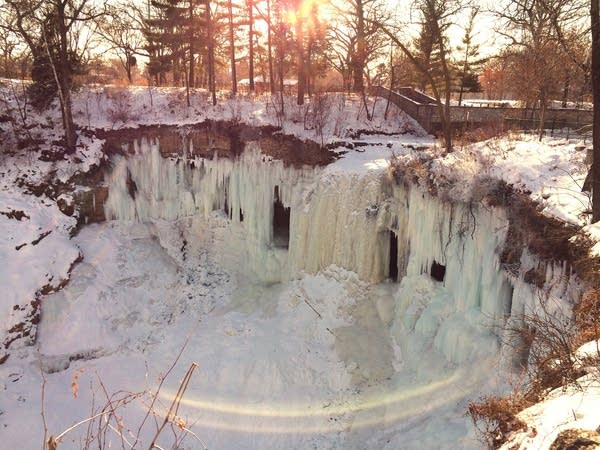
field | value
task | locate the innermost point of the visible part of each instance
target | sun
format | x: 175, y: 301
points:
x: 303, y: 10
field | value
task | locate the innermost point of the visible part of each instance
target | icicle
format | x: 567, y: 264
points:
x: 347, y: 220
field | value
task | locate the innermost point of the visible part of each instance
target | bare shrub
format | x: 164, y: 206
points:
x: 546, y: 342
x: 414, y: 171
x: 120, y: 109
x: 339, y: 103
x: 551, y: 354
x: 481, y: 133
x: 16, y: 108
x: 277, y: 103
x: 496, y: 417
x: 297, y: 113
x: 317, y: 114
x: 235, y: 109
x: 587, y: 317
x: 107, y: 419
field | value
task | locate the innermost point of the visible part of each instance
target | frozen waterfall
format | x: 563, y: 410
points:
x: 291, y: 220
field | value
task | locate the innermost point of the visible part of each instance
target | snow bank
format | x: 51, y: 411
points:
x: 37, y: 256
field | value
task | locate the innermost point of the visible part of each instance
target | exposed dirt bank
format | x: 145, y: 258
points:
x: 222, y: 139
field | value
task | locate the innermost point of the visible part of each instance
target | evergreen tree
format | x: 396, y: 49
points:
x: 468, y: 80
x: 176, y: 33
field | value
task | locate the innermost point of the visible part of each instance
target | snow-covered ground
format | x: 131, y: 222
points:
x: 323, y: 360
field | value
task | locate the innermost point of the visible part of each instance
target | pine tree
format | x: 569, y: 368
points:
x: 175, y: 32
x: 468, y: 80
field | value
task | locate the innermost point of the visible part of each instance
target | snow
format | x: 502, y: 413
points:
x: 562, y: 409
x: 341, y: 356
x: 551, y: 170
x: 37, y: 253
x: 302, y: 364
x: 309, y: 346
x: 113, y: 107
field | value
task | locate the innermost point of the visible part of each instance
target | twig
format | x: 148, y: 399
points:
x: 43, y: 412
x: 120, y: 433
x: 81, y: 422
x: 150, y: 408
x: 109, y: 404
x: 89, y: 435
x: 312, y: 307
x: 120, y: 402
x: 175, y: 403
x: 187, y: 430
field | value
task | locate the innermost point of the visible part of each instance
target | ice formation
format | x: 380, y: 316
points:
x: 367, y: 224
x: 327, y: 307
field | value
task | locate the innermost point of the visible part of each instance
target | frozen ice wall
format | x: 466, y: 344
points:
x: 147, y: 186
x: 365, y: 223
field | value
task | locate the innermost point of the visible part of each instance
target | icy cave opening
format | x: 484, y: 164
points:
x: 301, y: 342
x: 281, y: 221
x: 438, y: 271
x: 393, y: 266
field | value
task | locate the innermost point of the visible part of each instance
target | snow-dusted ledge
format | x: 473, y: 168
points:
x: 293, y: 220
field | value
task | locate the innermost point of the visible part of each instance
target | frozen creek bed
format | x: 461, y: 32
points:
x: 283, y: 284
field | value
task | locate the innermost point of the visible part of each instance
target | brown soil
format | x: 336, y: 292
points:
x: 223, y: 139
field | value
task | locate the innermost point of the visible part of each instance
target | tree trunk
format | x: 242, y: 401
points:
x: 463, y: 75
x: 251, y: 45
x: 281, y: 81
x: 232, y: 48
x: 270, y: 48
x: 129, y: 67
x: 300, y: 64
x: 392, y: 82
x: 543, y: 107
x: 308, y: 69
x: 192, y: 69
x: 595, y: 26
x: 360, y: 56
x: 62, y: 73
x: 566, y: 88
x: 211, y: 55
x: 446, y: 110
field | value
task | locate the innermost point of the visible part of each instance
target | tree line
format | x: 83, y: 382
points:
x: 544, y: 51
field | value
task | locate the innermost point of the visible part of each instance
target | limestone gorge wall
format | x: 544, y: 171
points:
x: 289, y: 220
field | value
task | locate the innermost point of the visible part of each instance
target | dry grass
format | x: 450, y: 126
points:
x: 587, y: 317
x: 496, y: 417
x: 479, y: 134
x: 548, y: 346
x: 415, y: 171
x: 106, y: 424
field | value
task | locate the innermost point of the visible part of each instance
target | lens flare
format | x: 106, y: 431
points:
x: 386, y: 407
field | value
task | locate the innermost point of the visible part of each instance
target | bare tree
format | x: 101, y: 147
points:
x: 250, y: 5
x: 267, y: 17
x: 121, y: 28
x: 9, y: 48
x: 209, y: 22
x: 470, y: 50
x: 231, y: 31
x: 50, y: 29
x: 356, y: 38
x: 533, y: 29
x: 439, y: 15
